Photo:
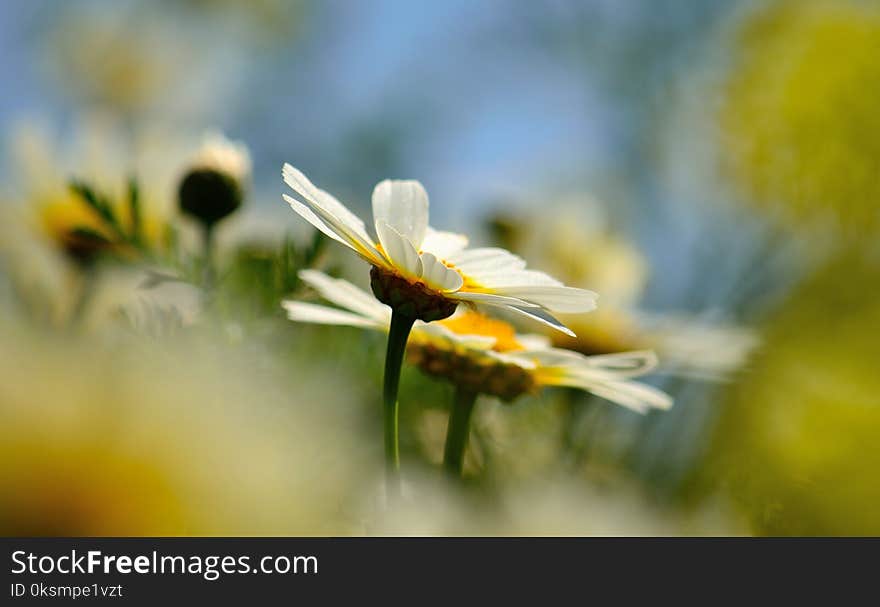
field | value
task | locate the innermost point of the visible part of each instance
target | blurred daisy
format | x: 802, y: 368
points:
x: 98, y: 154
x: 482, y: 355
x: 577, y: 243
x: 423, y: 274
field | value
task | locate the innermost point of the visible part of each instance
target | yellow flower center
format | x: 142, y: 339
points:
x: 474, y: 323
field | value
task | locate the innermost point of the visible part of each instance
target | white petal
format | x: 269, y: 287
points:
x: 520, y: 278
x: 558, y: 358
x: 542, y: 316
x: 617, y: 366
x: 403, y: 205
x: 332, y: 213
x: 399, y: 251
x: 696, y: 348
x: 475, y: 262
x: 316, y: 196
x: 625, y: 364
x: 533, y: 342
x: 513, y: 358
x: 492, y: 300
x: 633, y: 395
x: 344, y: 294
x: 438, y: 276
x: 443, y: 244
x: 313, y: 219
x: 558, y: 299
x: 313, y: 313
x: 437, y: 330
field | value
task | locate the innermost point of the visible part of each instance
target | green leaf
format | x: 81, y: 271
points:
x: 134, y: 207
x: 99, y: 204
x: 90, y: 235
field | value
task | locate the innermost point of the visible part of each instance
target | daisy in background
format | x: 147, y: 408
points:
x: 482, y: 355
x: 53, y: 236
x: 423, y: 274
x: 576, y: 242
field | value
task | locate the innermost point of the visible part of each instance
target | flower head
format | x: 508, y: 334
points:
x: 424, y: 273
x: 577, y: 242
x: 486, y: 355
x: 214, y: 183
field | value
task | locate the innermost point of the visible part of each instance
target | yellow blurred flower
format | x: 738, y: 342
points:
x: 45, y: 170
x: 799, y: 123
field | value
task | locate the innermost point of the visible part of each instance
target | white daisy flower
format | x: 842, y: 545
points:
x: 486, y: 355
x: 423, y: 273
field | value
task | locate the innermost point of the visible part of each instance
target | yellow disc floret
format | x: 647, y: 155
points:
x: 474, y: 323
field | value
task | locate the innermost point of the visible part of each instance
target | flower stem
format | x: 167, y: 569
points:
x: 397, y: 337
x: 208, y: 253
x: 458, y: 430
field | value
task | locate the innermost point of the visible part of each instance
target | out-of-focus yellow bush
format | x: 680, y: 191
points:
x: 799, y: 120
x: 798, y: 445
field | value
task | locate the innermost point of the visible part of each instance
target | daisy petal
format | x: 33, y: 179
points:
x: 399, y: 251
x: 306, y: 312
x: 632, y: 395
x: 611, y: 366
x: 488, y: 260
x: 307, y: 214
x: 438, y: 276
x: 344, y: 294
x: 625, y: 364
x: 542, y: 316
x: 403, y: 205
x: 558, y: 299
x: 492, y: 300
x: 520, y: 278
x: 443, y: 244
x: 332, y: 213
x: 316, y: 196
x: 436, y: 330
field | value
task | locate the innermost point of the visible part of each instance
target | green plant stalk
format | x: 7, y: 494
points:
x: 458, y: 431
x: 210, y: 275
x: 397, y: 338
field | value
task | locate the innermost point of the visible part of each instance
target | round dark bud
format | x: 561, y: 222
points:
x: 412, y: 300
x: 209, y: 195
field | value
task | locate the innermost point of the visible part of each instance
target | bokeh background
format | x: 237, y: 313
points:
x: 710, y: 167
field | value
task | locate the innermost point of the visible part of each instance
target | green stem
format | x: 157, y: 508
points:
x: 208, y: 253
x: 458, y: 430
x: 397, y: 337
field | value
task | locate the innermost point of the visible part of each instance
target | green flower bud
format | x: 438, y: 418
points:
x: 209, y: 195
x: 214, y: 185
